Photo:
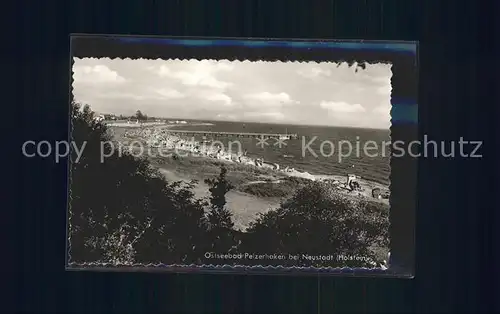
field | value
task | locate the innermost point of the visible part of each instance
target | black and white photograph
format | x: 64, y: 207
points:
x: 218, y: 162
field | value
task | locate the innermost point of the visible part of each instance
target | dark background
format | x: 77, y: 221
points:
x: 404, y: 83
x: 455, y: 214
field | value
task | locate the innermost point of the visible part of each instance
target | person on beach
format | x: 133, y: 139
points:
x: 259, y: 162
x: 240, y: 155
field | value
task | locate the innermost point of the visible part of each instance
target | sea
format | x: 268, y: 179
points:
x: 365, y: 152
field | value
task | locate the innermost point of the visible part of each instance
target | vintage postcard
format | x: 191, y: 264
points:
x: 235, y: 164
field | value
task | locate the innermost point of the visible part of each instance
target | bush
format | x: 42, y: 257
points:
x: 319, y: 221
x: 265, y: 189
x: 219, y: 217
x: 285, y: 188
x: 123, y: 211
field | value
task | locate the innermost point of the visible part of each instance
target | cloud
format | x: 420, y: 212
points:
x: 381, y: 79
x: 266, y: 99
x: 383, y: 109
x: 341, y: 107
x: 154, y: 94
x: 96, y: 74
x: 385, y: 90
x: 314, y: 72
x: 218, y: 97
x: 217, y: 65
x: 122, y: 96
x: 201, y: 73
x: 169, y: 93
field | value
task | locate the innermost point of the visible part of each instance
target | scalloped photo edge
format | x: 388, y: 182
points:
x: 403, y: 114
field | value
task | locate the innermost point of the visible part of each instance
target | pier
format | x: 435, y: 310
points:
x: 234, y: 134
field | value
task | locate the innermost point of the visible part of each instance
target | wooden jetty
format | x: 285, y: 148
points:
x: 233, y: 134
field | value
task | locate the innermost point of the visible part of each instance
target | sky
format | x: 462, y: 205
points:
x: 270, y: 92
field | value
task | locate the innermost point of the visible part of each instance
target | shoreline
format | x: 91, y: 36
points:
x: 176, y: 147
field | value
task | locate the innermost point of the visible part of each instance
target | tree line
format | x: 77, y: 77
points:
x: 123, y: 211
x: 137, y: 116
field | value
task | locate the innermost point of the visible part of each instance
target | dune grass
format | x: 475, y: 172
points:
x: 284, y: 188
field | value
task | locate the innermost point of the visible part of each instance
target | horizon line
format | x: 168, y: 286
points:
x: 259, y: 122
